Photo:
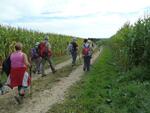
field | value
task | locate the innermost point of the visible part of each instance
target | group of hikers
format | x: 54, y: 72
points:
x: 87, y: 51
x: 16, y: 66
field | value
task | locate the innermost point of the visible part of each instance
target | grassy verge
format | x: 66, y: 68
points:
x: 106, y: 90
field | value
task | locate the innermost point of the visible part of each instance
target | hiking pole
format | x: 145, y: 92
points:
x: 30, y: 72
x: 80, y: 60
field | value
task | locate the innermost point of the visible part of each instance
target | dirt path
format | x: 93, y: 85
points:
x: 58, y: 66
x: 43, y: 101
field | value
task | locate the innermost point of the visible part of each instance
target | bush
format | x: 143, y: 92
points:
x: 139, y: 73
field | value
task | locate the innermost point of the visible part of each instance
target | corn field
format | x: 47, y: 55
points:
x: 132, y: 44
x: 9, y: 36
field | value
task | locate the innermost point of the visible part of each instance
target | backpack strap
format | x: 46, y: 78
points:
x: 86, y: 46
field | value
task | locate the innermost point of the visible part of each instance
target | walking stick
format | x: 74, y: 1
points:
x: 30, y: 72
x: 79, y: 54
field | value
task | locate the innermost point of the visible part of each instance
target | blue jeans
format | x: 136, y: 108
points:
x: 87, y: 60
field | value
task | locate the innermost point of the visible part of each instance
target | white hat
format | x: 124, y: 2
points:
x: 37, y: 43
x: 74, y: 39
x: 46, y: 37
x: 89, y: 41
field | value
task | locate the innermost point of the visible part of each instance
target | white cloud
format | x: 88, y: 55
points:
x: 86, y: 18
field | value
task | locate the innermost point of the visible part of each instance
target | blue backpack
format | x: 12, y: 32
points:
x: 71, y: 48
x: 34, y: 53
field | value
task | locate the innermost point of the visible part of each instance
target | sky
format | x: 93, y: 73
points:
x: 80, y: 18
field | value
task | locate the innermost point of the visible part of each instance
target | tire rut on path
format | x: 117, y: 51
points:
x: 43, y: 101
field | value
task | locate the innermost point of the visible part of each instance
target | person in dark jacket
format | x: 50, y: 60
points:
x: 73, y: 49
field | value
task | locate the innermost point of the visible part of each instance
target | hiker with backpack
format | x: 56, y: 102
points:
x: 87, y: 55
x: 19, y: 76
x: 73, y: 49
x: 46, y: 53
x: 6, y: 66
x: 36, y: 59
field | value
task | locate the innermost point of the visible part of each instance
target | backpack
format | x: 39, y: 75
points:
x: 86, y: 50
x: 43, y: 50
x: 71, y: 48
x: 34, y: 53
x: 6, y: 66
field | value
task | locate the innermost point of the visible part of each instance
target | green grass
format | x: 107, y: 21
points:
x: 3, y: 78
x: 106, y: 90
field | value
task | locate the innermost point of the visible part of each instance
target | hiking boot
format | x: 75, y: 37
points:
x: 19, y: 99
x: 1, y: 85
x: 88, y: 70
x: 43, y: 75
x: 39, y: 72
x: 34, y: 71
x: 73, y: 64
x: 84, y: 69
x: 54, y: 71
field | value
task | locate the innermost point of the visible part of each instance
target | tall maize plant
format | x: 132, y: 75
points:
x: 9, y: 36
x: 132, y: 44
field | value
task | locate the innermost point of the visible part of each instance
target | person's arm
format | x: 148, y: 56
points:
x: 26, y: 60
